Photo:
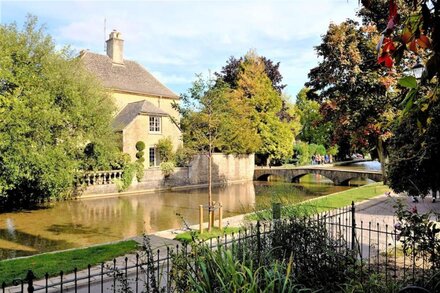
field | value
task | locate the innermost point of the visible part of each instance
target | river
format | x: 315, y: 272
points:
x: 85, y: 222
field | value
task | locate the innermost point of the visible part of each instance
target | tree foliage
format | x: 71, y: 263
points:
x: 255, y: 90
x: 313, y: 127
x: 349, y: 85
x: 50, y: 110
x: 212, y: 121
x: 412, y: 37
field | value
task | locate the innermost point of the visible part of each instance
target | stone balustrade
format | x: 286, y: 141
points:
x: 100, y: 177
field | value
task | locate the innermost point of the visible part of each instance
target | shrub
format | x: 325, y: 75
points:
x: 139, y: 167
x: 127, y: 177
x: 183, y: 156
x: 139, y: 154
x: 167, y: 168
x: 140, y: 146
x: 333, y: 150
x: 165, y: 149
x: 121, y: 160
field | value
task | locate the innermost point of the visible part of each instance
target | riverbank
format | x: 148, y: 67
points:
x: 38, y: 261
x: 378, y: 209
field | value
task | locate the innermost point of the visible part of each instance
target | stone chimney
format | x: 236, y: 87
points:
x: 115, y: 47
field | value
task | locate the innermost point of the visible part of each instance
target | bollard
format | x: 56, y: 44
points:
x: 200, y: 219
x: 220, y: 216
x: 276, y: 211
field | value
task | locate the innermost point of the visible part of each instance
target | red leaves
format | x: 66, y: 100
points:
x: 386, y: 59
x: 388, y: 46
x: 424, y: 42
x: 388, y: 49
x: 412, y: 46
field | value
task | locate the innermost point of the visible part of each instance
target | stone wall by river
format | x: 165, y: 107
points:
x: 225, y: 169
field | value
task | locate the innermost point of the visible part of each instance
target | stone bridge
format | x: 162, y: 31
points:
x: 338, y: 176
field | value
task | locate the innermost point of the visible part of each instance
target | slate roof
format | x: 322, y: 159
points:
x: 132, y: 110
x: 129, y: 77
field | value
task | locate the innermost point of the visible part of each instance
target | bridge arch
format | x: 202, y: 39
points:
x: 346, y: 182
x: 295, y: 178
x: 265, y: 176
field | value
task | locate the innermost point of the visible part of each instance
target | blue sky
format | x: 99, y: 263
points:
x: 175, y: 39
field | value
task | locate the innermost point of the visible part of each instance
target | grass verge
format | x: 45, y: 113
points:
x: 66, y: 261
x: 324, y: 203
x: 189, y: 236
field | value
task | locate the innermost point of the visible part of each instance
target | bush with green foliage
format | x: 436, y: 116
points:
x: 130, y: 171
x: 140, y: 146
x: 333, y: 150
x: 164, y: 148
x: 183, y: 156
x: 167, y: 168
x: 303, y: 152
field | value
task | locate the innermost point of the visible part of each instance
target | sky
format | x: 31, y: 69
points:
x: 176, y: 39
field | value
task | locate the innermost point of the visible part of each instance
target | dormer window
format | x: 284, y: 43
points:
x: 155, y: 124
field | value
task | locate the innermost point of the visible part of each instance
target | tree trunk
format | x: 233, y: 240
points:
x: 383, y: 158
x: 210, y: 212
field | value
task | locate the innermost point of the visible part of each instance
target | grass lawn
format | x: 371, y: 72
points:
x: 187, y: 237
x: 66, y: 261
x: 325, y: 203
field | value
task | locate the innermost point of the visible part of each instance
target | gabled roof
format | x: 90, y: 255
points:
x: 129, y: 77
x: 130, y: 112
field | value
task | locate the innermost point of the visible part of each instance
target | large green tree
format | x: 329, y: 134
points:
x: 349, y: 85
x: 50, y: 110
x: 256, y: 91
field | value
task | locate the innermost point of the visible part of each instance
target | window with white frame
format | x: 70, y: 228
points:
x: 155, y: 124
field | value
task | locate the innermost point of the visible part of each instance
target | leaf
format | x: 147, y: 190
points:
x: 406, y: 36
x: 386, y: 59
x: 412, y: 46
x: 408, y: 82
x: 389, y: 46
x: 424, y: 107
x: 424, y: 42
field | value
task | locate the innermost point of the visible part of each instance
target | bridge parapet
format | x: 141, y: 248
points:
x: 338, y: 176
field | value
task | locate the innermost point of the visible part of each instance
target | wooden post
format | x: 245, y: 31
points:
x: 220, y: 215
x: 213, y: 214
x: 200, y: 219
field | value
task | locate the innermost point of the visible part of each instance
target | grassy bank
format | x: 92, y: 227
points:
x: 324, y: 203
x: 188, y: 237
x: 66, y: 261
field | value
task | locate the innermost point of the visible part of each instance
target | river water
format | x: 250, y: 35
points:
x: 85, y: 222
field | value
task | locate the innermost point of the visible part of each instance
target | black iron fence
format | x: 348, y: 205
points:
x: 377, y: 249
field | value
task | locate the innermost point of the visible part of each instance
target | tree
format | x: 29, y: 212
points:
x: 349, y: 85
x: 313, y: 128
x: 50, y: 109
x: 212, y: 120
x: 254, y: 89
x: 412, y: 37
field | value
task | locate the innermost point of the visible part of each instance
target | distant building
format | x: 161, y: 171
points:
x: 144, y: 104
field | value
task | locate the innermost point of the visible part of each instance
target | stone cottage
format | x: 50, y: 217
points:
x: 144, y: 104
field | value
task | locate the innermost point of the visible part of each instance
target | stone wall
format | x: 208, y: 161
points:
x: 225, y: 169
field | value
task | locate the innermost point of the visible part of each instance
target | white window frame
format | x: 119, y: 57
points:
x: 155, y: 124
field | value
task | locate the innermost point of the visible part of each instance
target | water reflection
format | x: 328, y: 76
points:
x: 90, y: 221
